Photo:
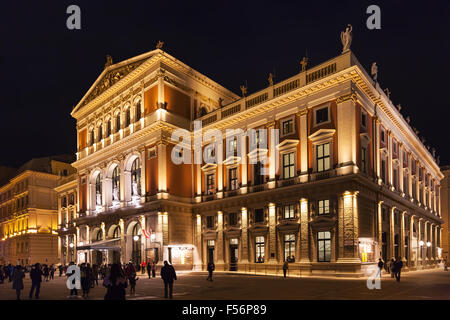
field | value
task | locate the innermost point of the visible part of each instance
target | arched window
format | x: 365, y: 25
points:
x: 116, y: 184
x: 118, y: 122
x: 92, y: 137
x: 127, y: 117
x: 116, y: 233
x: 100, y: 133
x: 108, y: 128
x: 138, y: 111
x: 136, y: 178
x: 98, y: 190
x: 99, y: 235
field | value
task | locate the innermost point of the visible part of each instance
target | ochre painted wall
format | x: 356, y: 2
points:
x: 82, y: 139
x: 150, y: 100
x: 179, y: 177
x: 177, y: 102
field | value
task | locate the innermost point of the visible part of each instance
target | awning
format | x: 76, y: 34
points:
x: 102, y: 245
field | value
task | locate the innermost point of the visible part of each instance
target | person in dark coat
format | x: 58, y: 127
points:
x: 46, y: 272
x: 85, y: 279
x: 285, y: 267
x: 60, y: 269
x: 210, y: 268
x: 398, y: 265
x: 380, y: 266
x: 149, y: 268
x: 36, y: 279
x: 168, y: 275
x: 153, y: 269
x: 17, y: 280
x: 115, y: 282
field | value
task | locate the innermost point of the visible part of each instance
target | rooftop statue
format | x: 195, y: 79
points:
x: 160, y: 44
x: 374, y: 71
x: 346, y: 38
x: 270, y: 79
x: 304, y: 63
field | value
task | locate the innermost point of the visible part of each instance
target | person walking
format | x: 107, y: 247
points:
x: 285, y: 267
x: 149, y: 268
x: 153, y: 269
x: 52, y: 272
x: 398, y: 265
x: 86, y: 279
x: 391, y: 267
x: 143, y: 267
x: 168, y: 275
x: 445, y: 264
x: 133, y: 279
x: 60, y: 269
x: 380, y: 266
x: 115, y: 283
x: 36, y: 279
x: 17, y: 281
x: 46, y: 272
x: 94, y: 275
x: 10, y: 272
x: 211, y: 267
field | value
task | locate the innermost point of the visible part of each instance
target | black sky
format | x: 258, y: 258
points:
x: 46, y: 68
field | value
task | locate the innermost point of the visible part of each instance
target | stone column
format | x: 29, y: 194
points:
x: 243, y: 166
x: 304, y: 233
x: 348, y: 228
x: 411, y: 263
x: 390, y: 165
x: 143, y: 169
x: 219, y: 242
x: 243, y: 254
x: 391, y: 234
x: 346, y: 128
x: 402, y: 238
x: 426, y: 241
x: 303, y: 129
x: 219, y: 153
x: 272, y: 237
x: 419, y: 238
x: 380, y: 228
x: 142, y: 222
x: 273, y: 154
x: 162, y: 173
x: 123, y: 245
x: 198, y: 242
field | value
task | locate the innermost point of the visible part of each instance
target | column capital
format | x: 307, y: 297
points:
x: 303, y: 112
x: 349, y: 96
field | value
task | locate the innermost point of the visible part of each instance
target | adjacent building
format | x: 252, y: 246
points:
x: 28, y: 211
x: 344, y: 182
x: 445, y: 201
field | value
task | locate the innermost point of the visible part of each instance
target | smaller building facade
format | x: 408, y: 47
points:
x: 445, y: 200
x: 28, y: 212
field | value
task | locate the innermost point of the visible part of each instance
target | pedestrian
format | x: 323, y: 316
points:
x: 210, y: 268
x: 380, y: 266
x: 115, y: 283
x: 94, y: 275
x: 153, y: 269
x: 52, y: 272
x: 85, y: 279
x: 445, y: 264
x: 133, y: 279
x: 149, y: 268
x: 2, y: 276
x: 130, y: 272
x: 60, y: 269
x: 168, y: 275
x: 74, y: 291
x: 391, y: 267
x: 46, y: 272
x: 36, y: 279
x: 143, y: 267
x: 10, y: 272
x: 398, y: 265
x: 285, y: 267
x: 17, y: 281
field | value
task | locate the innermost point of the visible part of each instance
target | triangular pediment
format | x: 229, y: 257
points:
x: 322, y: 134
x: 110, y: 76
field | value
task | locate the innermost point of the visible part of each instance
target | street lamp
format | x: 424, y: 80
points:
x: 71, y: 245
x: 428, y: 244
x: 421, y: 243
x: 136, y: 238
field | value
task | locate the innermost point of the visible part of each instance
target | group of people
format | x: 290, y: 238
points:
x: 394, y: 267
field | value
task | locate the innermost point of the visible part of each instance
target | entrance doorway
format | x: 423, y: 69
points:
x: 233, y: 256
x: 210, y: 250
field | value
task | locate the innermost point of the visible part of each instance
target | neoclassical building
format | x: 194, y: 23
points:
x: 28, y: 211
x: 348, y: 179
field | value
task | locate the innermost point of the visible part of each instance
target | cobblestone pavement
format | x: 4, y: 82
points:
x: 429, y: 284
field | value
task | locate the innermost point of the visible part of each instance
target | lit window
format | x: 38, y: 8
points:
x: 108, y: 128
x: 289, y: 211
x: 289, y: 247
x: 116, y: 184
x: 259, y: 246
x: 233, y: 178
x: 324, y: 206
x: 210, y: 184
x: 136, y: 177
x: 323, y: 157
x: 138, y: 111
x: 288, y: 165
x: 324, y: 246
x: 118, y: 123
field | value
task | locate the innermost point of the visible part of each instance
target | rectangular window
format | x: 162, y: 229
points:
x: 289, y: 247
x: 233, y: 219
x: 210, y: 184
x: 259, y: 247
x: 395, y: 173
x: 233, y: 178
x: 259, y: 215
x: 324, y: 246
x: 323, y: 157
x: 127, y: 117
x: 210, y: 243
x: 363, y: 119
x: 414, y: 190
x: 323, y: 207
x: 405, y: 183
x: 108, y: 128
x: 364, y: 160
x: 258, y: 174
x: 288, y: 126
x: 383, y: 170
x: 321, y: 115
x: 289, y: 211
x: 383, y: 136
x: 210, y: 222
x: 288, y: 165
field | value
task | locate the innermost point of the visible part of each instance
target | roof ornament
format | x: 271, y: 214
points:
x: 244, y: 90
x: 346, y: 38
x: 433, y: 152
x: 109, y: 61
x: 388, y: 93
x: 270, y: 79
x: 374, y: 71
x: 408, y: 119
x: 399, y: 107
x: 160, y: 44
x: 304, y: 63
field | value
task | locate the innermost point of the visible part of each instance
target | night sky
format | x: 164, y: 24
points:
x: 46, y: 68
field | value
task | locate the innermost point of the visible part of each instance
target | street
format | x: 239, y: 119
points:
x: 429, y: 284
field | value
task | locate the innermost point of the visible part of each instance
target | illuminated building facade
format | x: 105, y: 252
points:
x: 28, y: 212
x: 445, y: 201
x: 353, y: 182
